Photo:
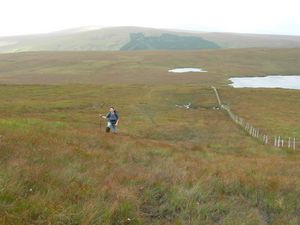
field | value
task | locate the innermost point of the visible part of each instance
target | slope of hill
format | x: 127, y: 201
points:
x: 138, y: 41
x: 116, y: 38
x: 167, y: 165
x: 144, y: 67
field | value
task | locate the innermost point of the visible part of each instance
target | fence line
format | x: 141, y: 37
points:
x: 279, y: 141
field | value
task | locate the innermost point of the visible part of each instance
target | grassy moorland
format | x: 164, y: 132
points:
x: 275, y: 111
x: 167, y: 165
x: 144, y: 67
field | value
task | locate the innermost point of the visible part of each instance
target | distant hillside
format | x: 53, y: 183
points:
x: 138, y: 41
x: 123, y: 38
x: 145, y: 67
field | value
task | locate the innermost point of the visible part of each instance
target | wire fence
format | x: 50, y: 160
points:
x: 276, y: 141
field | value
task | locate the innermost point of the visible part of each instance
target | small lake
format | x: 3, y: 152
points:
x: 286, y: 82
x: 187, y: 70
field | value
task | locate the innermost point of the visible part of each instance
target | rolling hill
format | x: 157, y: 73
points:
x: 124, y: 38
x: 138, y: 41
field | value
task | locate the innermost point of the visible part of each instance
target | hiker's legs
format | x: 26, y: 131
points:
x: 113, y: 128
x: 108, y: 127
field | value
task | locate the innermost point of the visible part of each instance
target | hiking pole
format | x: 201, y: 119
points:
x: 100, y: 115
x: 100, y: 125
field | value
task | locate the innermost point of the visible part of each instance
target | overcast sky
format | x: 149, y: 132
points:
x: 254, y: 16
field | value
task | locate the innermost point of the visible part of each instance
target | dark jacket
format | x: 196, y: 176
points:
x: 112, y: 117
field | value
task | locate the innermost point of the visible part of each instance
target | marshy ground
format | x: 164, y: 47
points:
x: 167, y: 165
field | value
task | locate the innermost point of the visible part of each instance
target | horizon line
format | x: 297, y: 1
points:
x: 98, y: 27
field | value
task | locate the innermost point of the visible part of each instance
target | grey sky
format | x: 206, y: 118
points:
x: 255, y: 16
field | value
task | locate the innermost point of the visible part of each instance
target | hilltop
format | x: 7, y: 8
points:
x: 125, y: 38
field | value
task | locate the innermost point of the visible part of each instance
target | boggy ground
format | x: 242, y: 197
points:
x: 145, y: 67
x: 166, y: 165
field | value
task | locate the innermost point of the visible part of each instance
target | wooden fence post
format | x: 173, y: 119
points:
x: 252, y: 131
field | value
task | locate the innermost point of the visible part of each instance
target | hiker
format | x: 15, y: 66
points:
x: 112, y: 118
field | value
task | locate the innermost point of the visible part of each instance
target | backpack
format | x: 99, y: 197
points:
x: 116, y: 114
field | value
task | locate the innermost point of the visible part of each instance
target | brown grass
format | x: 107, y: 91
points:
x: 166, y: 166
x: 144, y: 67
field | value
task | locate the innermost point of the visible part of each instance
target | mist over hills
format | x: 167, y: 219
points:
x: 140, y: 38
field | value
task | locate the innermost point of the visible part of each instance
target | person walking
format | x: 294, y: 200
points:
x: 112, y: 118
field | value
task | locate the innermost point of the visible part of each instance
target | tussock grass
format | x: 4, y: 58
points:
x: 166, y: 166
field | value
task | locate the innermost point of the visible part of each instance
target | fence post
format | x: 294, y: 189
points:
x: 278, y: 141
x: 217, y: 95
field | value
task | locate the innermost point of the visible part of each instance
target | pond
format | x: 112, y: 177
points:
x: 187, y: 70
x: 286, y: 82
